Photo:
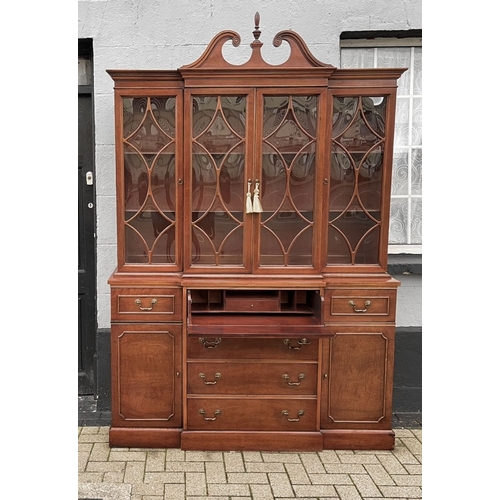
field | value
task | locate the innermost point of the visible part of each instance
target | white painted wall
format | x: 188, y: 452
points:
x: 167, y: 34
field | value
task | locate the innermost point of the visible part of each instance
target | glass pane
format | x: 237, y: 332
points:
x: 416, y: 221
x: 416, y: 135
x: 402, y: 127
x: 399, y: 221
x: 396, y: 57
x: 416, y: 172
x: 417, y: 71
x: 287, y: 184
x: 149, y: 180
x: 356, y: 174
x: 400, y: 172
x: 218, y: 183
x: 358, y: 58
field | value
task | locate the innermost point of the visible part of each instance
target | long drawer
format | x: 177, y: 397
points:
x: 213, y: 348
x: 240, y: 377
x: 346, y: 304
x: 146, y: 304
x: 251, y: 414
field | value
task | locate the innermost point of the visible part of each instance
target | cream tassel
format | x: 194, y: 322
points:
x: 249, y: 198
x: 257, y: 207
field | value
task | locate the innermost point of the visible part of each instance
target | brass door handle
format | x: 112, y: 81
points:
x: 287, y: 378
x: 203, y: 412
x: 210, y: 344
x: 139, y: 303
x: 300, y: 413
x: 353, y: 305
x: 217, y: 376
x: 301, y: 342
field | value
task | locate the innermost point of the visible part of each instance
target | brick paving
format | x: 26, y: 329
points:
x: 172, y: 474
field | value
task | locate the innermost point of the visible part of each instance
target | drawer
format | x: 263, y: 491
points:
x: 242, y: 377
x: 146, y: 304
x: 252, y: 301
x: 251, y: 414
x: 360, y: 305
x: 213, y: 348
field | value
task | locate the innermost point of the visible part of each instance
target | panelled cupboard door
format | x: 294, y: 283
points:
x: 252, y: 169
x: 149, y: 183
x: 357, y: 378
x: 146, y: 374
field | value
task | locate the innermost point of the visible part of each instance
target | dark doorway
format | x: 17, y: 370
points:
x: 87, y: 317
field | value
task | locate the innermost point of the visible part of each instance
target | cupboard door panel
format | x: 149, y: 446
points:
x: 357, y: 381
x: 146, y: 362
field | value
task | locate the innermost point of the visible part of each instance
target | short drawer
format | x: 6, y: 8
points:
x: 146, y: 304
x: 360, y: 305
x: 213, y: 348
x: 242, y: 377
x: 251, y: 414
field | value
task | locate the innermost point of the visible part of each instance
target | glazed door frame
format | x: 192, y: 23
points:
x: 251, y: 262
x: 355, y: 91
x: 200, y: 226
x: 320, y: 153
x: 175, y: 262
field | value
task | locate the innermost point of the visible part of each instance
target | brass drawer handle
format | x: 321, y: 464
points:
x: 300, y: 413
x: 203, y: 412
x: 353, y: 305
x: 210, y: 344
x: 217, y: 376
x: 301, y: 342
x: 287, y: 378
x: 139, y: 303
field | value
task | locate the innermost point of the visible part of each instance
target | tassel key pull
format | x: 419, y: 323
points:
x: 249, y: 208
x: 257, y: 206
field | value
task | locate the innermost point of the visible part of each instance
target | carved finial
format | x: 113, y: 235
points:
x: 257, y: 31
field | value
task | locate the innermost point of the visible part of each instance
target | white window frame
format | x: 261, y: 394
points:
x: 385, y: 42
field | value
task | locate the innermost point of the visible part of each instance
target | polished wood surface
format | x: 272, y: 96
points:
x: 251, y: 307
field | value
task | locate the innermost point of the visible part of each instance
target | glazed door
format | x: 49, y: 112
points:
x: 359, y: 180
x: 253, y: 172
x: 220, y: 156
x: 150, y: 199
x: 286, y: 180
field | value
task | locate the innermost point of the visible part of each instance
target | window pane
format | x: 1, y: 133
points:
x: 417, y: 71
x: 406, y: 192
x: 416, y: 221
x: 400, y: 173
x: 357, y: 58
x: 416, y: 172
x: 399, y: 220
x: 416, y: 133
